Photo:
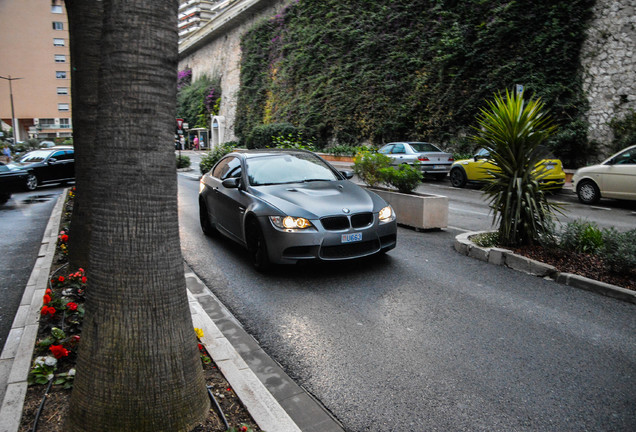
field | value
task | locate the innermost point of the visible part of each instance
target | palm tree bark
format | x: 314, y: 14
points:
x: 85, y: 30
x: 138, y: 365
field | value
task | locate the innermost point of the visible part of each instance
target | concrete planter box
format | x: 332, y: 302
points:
x: 419, y: 211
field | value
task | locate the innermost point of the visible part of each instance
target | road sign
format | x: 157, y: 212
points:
x: 179, y: 124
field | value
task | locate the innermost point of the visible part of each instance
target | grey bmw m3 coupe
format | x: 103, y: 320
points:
x: 286, y: 206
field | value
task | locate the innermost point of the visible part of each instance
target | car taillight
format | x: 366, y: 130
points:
x: 422, y: 158
x: 451, y: 159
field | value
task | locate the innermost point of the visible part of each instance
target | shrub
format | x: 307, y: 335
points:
x: 405, y: 178
x: 262, y: 136
x: 581, y: 236
x: 624, y: 130
x: 488, y: 239
x: 619, y: 250
x: 369, y: 167
x: 293, y: 141
x: 512, y: 130
x: 345, y: 150
x: 213, y: 156
x: 183, y: 161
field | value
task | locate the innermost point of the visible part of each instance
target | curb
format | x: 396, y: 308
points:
x: 505, y: 257
x: 18, y: 349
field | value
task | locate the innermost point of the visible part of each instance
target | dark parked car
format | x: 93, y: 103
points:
x: 287, y: 206
x: 13, y: 178
x: 54, y: 165
x: 428, y: 157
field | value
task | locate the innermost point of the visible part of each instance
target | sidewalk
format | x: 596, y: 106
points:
x: 273, y: 399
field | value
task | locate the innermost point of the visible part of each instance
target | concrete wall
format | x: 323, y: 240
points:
x: 215, y: 50
x: 608, y: 67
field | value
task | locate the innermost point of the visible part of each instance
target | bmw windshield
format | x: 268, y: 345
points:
x: 288, y: 168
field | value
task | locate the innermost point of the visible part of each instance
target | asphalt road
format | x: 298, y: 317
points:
x: 23, y: 220
x: 426, y: 339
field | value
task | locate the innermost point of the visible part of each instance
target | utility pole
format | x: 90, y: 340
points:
x: 16, y: 132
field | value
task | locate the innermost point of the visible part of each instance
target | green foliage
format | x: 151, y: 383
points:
x: 404, y: 178
x: 581, y: 236
x: 197, y: 101
x: 344, y: 150
x: 512, y: 130
x: 487, y: 239
x: 624, y: 131
x: 291, y: 141
x: 212, y: 157
x: 183, y: 161
x: 262, y: 136
x: 370, y: 167
x: 361, y: 71
x: 619, y: 250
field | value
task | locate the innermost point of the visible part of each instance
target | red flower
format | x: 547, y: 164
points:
x: 72, y: 306
x: 61, y: 279
x: 64, y: 238
x: 46, y: 299
x: 83, y: 279
x: 58, y: 351
x: 47, y: 310
x: 243, y: 428
x: 48, y: 291
x: 81, y: 270
x: 200, y: 347
x: 75, y: 339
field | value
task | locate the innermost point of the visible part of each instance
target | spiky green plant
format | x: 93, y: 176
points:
x: 512, y: 130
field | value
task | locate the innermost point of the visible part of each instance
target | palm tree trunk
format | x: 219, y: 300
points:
x: 85, y: 29
x: 138, y: 365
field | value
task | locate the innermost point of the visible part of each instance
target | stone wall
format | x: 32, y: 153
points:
x: 608, y: 67
x: 215, y: 51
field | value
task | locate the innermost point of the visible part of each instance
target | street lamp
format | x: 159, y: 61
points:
x: 16, y: 132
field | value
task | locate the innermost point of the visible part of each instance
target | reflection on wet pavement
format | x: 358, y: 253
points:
x: 32, y: 199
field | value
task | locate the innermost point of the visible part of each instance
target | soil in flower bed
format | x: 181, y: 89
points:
x: 587, y: 265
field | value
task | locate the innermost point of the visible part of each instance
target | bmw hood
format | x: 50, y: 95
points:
x: 318, y: 199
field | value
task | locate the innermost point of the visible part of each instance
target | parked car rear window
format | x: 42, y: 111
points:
x: 424, y: 147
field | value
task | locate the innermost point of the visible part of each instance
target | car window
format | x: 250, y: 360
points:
x: 385, y: 149
x: 423, y: 147
x: 398, y: 149
x: 483, y: 153
x: 62, y: 155
x: 626, y: 158
x: 4, y: 168
x: 35, y: 156
x: 287, y: 168
x: 227, y: 167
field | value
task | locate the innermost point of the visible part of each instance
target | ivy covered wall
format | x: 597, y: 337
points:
x: 361, y: 71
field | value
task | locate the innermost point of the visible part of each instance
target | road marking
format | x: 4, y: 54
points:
x: 601, y: 208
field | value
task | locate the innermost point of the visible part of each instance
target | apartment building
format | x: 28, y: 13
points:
x: 194, y: 14
x: 34, y: 53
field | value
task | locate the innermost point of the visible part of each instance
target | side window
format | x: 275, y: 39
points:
x: 385, y: 150
x: 58, y: 155
x: 221, y: 168
x: 228, y: 167
x: 626, y: 158
x: 398, y: 149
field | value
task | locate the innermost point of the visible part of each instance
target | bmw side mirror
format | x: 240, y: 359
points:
x: 347, y: 174
x: 52, y: 161
x: 232, y: 182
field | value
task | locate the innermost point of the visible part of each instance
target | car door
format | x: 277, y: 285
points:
x: 619, y: 177
x: 399, y: 155
x: 230, y: 202
x: 53, y: 168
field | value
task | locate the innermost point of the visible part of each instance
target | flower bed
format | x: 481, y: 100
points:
x: 59, y: 335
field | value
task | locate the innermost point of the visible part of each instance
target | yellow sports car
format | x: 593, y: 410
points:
x: 475, y: 170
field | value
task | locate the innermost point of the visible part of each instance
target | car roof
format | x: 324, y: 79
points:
x: 247, y: 154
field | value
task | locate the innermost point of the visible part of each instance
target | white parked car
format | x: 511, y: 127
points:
x: 614, y: 178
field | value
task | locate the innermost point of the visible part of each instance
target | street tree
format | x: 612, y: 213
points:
x: 85, y: 30
x: 138, y: 365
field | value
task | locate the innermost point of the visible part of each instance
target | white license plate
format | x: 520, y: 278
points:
x: 439, y: 167
x: 350, y: 238
x: 549, y: 166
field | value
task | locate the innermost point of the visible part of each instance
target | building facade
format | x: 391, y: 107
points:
x: 34, y: 53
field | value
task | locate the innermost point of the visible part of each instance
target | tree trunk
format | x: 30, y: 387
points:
x: 138, y: 365
x: 85, y: 30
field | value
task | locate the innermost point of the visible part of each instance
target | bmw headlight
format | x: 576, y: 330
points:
x: 290, y: 223
x: 387, y: 214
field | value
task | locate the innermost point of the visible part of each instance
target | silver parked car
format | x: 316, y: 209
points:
x: 432, y: 160
x: 286, y: 206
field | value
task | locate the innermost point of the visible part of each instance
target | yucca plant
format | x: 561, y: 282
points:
x: 512, y: 130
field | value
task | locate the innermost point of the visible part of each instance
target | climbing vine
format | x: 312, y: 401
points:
x: 360, y: 71
x: 197, y: 100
